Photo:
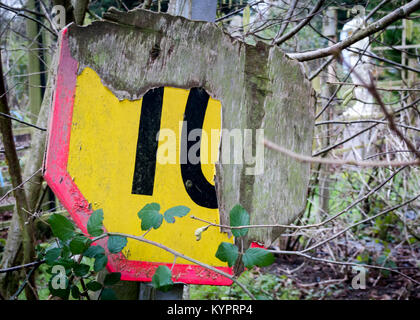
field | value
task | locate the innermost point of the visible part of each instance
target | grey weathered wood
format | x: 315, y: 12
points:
x: 258, y: 86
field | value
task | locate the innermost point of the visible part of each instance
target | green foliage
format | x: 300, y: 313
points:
x: 162, y: 279
x: 257, y: 257
x: 150, y: 216
x: 74, y: 243
x: 385, y: 261
x: 94, y: 286
x: 108, y: 294
x: 262, y: 286
x: 94, y: 251
x: 2, y: 245
x: 112, y: 278
x: 100, y: 262
x: 94, y: 225
x: 74, y: 258
x: 52, y: 255
x: 178, y: 211
x: 227, y: 252
x: 79, y: 244
x: 382, y: 226
x: 81, y: 269
x: 59, y: 292
x: 75, y: 292
x: 239, y: 217
x: 61, y: 227
x: 116, y: 243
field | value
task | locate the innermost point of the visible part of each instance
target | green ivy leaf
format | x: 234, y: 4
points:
x: 61, y: 227
x: 257, y: 257
x: 100, y: 262
x: 178, y: 211
x: 239, y: 217
x: 112, y: 278
x: 95, y: 223
x: 150, y: 216
x: 162, y: 279
x: 227, y: 252
x: 108, y: 294
x: 79, y: 244
x: 94, y: 286
x: 94, y: 251
x: 52, y: 255
x: 81, y: 269
x: 116, y: 243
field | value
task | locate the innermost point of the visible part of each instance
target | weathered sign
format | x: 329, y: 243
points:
x: 139, y: 103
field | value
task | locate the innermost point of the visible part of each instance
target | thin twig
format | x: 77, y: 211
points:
x: 316, y: 225
x: 307, y: 256
x: 21, y: 121
x: 300, y: 25
x: 338, y: 162
x: 381, y: 24
x: 19, y: 186
x: 24, y: 284
x: 375, y: 94
x: 15, y: 268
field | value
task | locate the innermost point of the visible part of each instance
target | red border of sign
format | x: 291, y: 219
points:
x: 59, y: 180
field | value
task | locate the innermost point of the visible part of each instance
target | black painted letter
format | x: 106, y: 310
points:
x: 147, y: 142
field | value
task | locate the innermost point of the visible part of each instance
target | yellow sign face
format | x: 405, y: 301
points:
x: 111, y: 164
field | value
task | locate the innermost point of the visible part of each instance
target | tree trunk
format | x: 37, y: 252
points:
x: 330, y: 31
x: 34, y: 67
x: 25, y: 225
x: 34, y: 161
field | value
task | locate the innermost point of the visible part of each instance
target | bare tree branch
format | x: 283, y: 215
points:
x: 338, y: 162
x: 303, y: 23
x: 381, y: 24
